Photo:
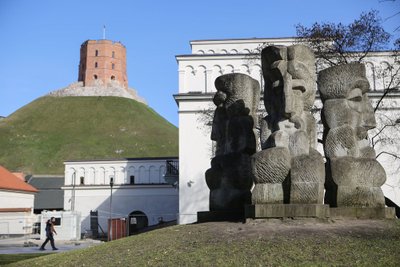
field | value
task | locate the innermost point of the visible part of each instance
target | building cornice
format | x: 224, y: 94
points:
x: 244, y: 40
x: 207, y: 97
x: 115, y: 186
x: 112, y: 161
x: 219, y: 56
x: 193, y: 96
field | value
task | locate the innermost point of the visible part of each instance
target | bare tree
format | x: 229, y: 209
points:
x: 336, y: 44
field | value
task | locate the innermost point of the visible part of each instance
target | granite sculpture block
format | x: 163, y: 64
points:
x: 233, y: 129
x: 354, y: 176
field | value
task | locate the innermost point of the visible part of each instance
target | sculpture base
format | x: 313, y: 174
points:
x: 363, y: 213
x: 287, y: 210
x: 220, y: 216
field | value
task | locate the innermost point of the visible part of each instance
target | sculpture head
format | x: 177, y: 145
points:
x: 238, y: 93
x: 289, y: 74
x: 344, y: 90
x: 301, y: 65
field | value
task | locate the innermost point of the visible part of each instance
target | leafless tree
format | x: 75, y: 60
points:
x: 336, y: 43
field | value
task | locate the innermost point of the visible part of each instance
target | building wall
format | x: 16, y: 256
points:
x: 195, y: 147
x: 99, y: 172
x: 13, y: 199
x: 149, y: 194
x: 16, y: 223
x: 69, y: 227
x: 157, y: 201
x: 103, y: 59
x: 235, y: 46
x: 212, y: 58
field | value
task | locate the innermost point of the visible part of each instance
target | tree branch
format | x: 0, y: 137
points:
x: 388, y: 153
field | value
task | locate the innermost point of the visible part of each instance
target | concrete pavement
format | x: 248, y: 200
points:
x: 31, y: 244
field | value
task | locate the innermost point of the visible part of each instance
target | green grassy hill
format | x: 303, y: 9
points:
x: 40, y: 136
x: 256, y: 243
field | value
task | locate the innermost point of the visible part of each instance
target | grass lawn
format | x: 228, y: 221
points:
x: 40, y: 136
x: 255, y: 243
x: 10, y: 258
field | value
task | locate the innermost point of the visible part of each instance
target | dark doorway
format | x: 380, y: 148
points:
x: 137, y: 222
x: 94, y: 223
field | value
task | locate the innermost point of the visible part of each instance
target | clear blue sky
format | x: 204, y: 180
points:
x: 40, y: 40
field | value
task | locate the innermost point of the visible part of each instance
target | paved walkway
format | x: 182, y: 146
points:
x: 31, y: 244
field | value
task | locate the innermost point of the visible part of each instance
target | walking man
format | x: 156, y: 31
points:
x: 49, y: 234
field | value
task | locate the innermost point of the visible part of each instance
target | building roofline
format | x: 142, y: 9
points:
x: 271, y: 39
x: 103, y: 41
x: 10, y: 182
x: 122, y: 159
x: 227, y: 40
x: 241, y: 55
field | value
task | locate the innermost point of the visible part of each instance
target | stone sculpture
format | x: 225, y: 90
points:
x: 233, y: 129
x: 354, y: 176
x: 288, y: 169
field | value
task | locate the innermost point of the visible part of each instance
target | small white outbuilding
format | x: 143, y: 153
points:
x: 16, y: 204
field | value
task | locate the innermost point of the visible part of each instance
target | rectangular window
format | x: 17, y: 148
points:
x: 132, y: 180
x: 82, y: 180
x: 57, y: 221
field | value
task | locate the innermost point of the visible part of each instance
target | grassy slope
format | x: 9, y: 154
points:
x: 40, y: 136
x: 10, y: 258
x: 235, y: 244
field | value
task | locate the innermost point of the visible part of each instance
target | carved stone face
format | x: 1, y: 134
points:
x: 345, y: 98
x: 289, y: 74
x: 354, y: 176
x: 301, y: 65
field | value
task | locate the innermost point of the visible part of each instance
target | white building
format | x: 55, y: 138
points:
x: 138, y: 191
x: 16, y: 204
x: 212, y: 58
x: 67, y: 224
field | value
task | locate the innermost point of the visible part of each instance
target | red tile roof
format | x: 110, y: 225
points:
x: 9, y: 181
x: 20, y: 175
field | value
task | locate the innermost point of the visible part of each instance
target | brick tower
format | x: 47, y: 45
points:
x: 102, y: 60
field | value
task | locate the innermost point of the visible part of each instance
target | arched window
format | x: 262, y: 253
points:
x: 142, y: 175
x: 113, y: 77
x: 113, y: 54
x: 154, y: 177
x: 97, y: 53
x: 95, y: 65
x: 113, y: 66
x: 95, y: 77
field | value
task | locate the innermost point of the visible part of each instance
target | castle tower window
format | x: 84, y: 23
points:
x: 97, y: 53
x: 113, y: 77
x: 113, y: 54
x: 113, y: 66
x: 95, y: 77
x: 95, y: 65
